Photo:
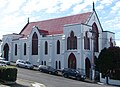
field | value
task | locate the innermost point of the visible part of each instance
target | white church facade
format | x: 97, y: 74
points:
x: 67, y: 42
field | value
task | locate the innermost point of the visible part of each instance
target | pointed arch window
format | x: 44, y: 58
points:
x: 15, y: 49
x: 86, y: 41
x: 24, y: 48
x: 44, y: 62
x: 71, y: 41
x: 59, y: 65
x: 58, y: 47
x: 56, y: 65
x: 68, y: 43
x: 95, y: 35
x: 46, y: 47
x: 75, y: 43
x: 35, y: 44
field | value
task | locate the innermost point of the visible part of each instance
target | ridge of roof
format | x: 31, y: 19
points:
x: 62, y: 17
x: 24, y: 28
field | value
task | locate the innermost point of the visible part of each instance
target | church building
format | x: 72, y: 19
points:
x: 68, y: 42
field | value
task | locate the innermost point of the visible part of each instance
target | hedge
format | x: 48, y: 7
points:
x: 8, y: 73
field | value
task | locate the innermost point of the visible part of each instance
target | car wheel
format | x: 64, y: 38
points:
x: 56, y: 73
x: 26, y: 67
x: 50, y: 72
x: 40, y: 70
x: 65, y: 75
x: 78, y: 78
x: 31, y: 68
x: 17, y: 65
x: 82, y: 79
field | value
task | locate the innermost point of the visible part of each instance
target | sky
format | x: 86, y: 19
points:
x: 15, y: 13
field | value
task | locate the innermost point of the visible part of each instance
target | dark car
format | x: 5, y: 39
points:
x: 47, y: 69
x: 73, y: 73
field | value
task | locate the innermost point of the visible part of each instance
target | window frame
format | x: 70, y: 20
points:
x: 35, y: 44
x: 58, y: 47
x: 25, y: 46
x: 15, y: 49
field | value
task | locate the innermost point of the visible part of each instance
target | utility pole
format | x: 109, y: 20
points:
x: 93, y: 55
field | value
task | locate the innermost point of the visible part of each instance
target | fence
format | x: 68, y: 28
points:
x: 107, y: 80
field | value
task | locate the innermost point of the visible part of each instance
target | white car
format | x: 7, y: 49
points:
x: 24, y: 64
x: 3, y: 61
x: 3, y: 64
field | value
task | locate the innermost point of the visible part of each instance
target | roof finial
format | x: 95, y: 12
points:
x: 28, y: 19
x: 93, y: 6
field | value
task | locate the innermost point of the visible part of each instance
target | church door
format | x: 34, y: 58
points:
x: 72, y: 61
x: 6, y: 51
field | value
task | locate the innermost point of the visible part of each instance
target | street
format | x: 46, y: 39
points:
x: 51, y: 80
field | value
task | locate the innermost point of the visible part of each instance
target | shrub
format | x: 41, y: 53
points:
x: 8, y: 73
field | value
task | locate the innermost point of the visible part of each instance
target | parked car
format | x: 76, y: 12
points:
x: 2, y: 60
x: 3, y: 64
x: 47, y: 69
x: 24, y: 64
x: 73, y: 73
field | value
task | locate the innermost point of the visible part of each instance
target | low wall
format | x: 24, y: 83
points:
x: 109, y: 81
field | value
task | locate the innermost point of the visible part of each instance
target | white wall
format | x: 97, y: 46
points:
x: 106, y: 39
x: 0, y: 48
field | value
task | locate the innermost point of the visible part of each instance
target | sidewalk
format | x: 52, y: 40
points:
x: 19, y: 83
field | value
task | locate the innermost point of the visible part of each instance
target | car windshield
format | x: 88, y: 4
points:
x: 77, y: 71
x: 50, y: 68
x: 28, y: 62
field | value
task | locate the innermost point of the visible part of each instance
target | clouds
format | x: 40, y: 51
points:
x: 49, y: 6
x: 38, y: 5
x: 2, y: 3
x: 106, y: 2
x: 10, y: 6
x: 116, y: 7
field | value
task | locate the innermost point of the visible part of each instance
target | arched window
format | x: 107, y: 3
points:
x: 56, y: 65
x: 59, y: 65
x: 72, y: 41
x: 75, y: 42
x: 24, y: 48
x: 46, y: 48
x: 95, y: 35
x: 58, y: 47
x: 44, y: 62
x: 15, y: 49
x: 86, y: 41
x: 35, y: 44
x: 68, y: 43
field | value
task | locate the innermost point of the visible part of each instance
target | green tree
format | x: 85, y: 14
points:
x: 108, y: 62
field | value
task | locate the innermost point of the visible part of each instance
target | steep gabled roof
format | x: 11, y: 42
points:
x: 55, y: 26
